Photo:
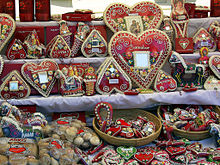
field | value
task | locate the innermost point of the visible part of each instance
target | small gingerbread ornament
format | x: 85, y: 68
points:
x: 79, y: 38
x: 35, y: 49
x: 65, y: 32
x: 90, y: 80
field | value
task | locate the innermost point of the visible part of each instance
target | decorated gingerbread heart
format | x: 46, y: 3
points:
x: 126, y: 152
x: 58, y: 48
x: 111, y: 77
x: 164, y: 82
x: 203, y: 39
x: 7, y: 28
x: 135, y: 19
x: 94, y: 44
x: 214, y: 64
x: 40, y: 76
x: 14, y: 87
x: 212, y: 83
x: 140, y: 57
x: 144, y: 158
x: 16, y: 50
x: 173, y: 151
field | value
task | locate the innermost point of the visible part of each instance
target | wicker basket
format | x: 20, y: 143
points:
x: 130, y: 114
x: 190, y: 135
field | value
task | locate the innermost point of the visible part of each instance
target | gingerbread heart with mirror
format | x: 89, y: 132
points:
x: 136, y: 19
x: 14, y: 87
x: 214, y: 64
x: 141, y: 57
x: 7, y: 28
x: 94, y: 44
x: 203, y: 39
x: 41, y: 76
x: 16, y: 50
x: 111, y: 77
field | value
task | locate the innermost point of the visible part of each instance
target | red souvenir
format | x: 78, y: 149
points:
x: 26, y: 10
x: 201, y: 12
x: 65, y: 32
x: 122, y: 123
x: 40, y: 76
x: 190, y: 8
x: 94, y: 44
x: 58, y: 48
x: 214, y: 64
x: 111, y: 77
x: 135, y: 19
x: 203, y: 39
x: 144, y: 158
x: 35, y: 49
x: 184, y: 45
x: 79, y: 37
x: 175, y: 150
x: 7, y: 29
x: 114, y: 131
x: 215, y: 8
x: 14, y: 87
x: 164, y: 82
x: 16, y: 50
x: 90, y: 80
x: 70, y: 81
x: 106, y: 108
x: 42, y: 10
x: 140, y: 57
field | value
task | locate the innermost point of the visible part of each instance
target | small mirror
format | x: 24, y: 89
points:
x: 141, y: 59
x: 43, y: 77
x: 13, y: 86
x: 95, y: 43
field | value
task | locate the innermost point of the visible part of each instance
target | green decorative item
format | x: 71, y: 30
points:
x: 126, y: 152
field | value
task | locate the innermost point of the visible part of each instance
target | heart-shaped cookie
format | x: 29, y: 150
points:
x: 214, y: 64
x: 1, y: 64
x: 126, y: 152
x: 140, y: 57
x: 144, y: 158
x: 40, y: 76
x: 112, y: 77
x: 7, y: 28
x: 16, y: 50
x: 203, y: 39
x: 14, y: 87
x: 141, y: 16
x: 94, y: 44
x: 164, y: 82
x: 212, y: 83
x: 173, y: 151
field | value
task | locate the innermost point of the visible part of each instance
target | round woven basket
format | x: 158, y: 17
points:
x: 130, y: 114
x: 190, y: 135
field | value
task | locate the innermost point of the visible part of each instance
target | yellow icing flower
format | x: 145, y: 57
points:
x: 43, y: 86
x: 5, y: 26
x: 19, y: 47
x: 5, y: 89
x: 13, y: 78
x: 56, y: 48
x: 36, y: 81
x: 34, y: 76
x: 14, y: 48
x: 50, y: 78
x: 21, y: 88
x: 50, y: 72
x: 3, y: 31
x: 2, y: 37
